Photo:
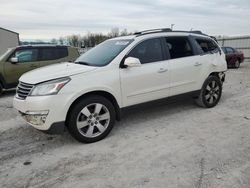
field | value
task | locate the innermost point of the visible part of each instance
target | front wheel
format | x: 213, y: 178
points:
x: 237, y: 64
x: 91, y: 119
x: 210, y: 93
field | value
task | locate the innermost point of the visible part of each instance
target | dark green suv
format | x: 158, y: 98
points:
x: 16, y: 61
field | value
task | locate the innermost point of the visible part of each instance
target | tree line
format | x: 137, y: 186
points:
x: 90, y: 39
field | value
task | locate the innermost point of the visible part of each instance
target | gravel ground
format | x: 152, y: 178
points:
x: 169, y: 144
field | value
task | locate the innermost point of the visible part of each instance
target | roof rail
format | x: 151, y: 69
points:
x: 152, y: 31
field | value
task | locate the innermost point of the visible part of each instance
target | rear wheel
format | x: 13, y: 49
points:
x: 210, y: 93
x: 237, y: 64
x: 91, y: 119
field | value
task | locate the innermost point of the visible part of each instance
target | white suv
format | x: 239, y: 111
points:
x: 87, y: 96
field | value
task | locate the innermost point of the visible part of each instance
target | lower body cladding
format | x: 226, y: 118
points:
x: 46, y: 113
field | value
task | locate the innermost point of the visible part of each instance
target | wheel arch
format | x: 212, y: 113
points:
x: 217, y: 74
x: 2, y: 82
x: 102, y: 93
x: 214, y: 74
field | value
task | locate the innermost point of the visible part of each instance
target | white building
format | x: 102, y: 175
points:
x: 8, y: 39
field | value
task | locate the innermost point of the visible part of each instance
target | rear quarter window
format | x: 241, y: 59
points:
x: 206, y: 45
x: 53, y: 53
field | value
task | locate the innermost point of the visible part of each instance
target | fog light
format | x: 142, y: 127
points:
x: 37, y: 118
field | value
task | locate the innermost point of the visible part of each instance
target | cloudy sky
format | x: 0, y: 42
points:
x: 46, y: 19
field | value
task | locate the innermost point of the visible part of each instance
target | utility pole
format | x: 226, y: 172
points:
x: 172, y: 26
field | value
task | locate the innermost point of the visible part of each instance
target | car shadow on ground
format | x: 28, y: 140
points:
x: 152, y: 111
x: 8, y: 93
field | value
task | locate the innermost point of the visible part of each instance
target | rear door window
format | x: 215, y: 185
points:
x: 207, y: 45
x: 62, y: 52
x: 179, y: 47
x: 148, y: 51
x: 53, y: 53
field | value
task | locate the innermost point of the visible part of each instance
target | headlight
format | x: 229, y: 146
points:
x: 50, y: 87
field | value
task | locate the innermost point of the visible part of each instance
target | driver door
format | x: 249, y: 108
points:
x: 150, y: 80
x: 27, y: 59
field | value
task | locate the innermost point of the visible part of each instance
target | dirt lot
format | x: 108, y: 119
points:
x: 170, y: 144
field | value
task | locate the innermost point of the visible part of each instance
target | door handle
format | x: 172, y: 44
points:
x: 161, y: 70
x: 197, y: 64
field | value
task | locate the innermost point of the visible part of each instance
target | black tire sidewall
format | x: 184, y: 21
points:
x: 237, y: 64
x: 75, y: 110
x: 209, y: 80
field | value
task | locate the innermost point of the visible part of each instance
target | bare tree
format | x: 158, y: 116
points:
x: 74, y: 40
x: 90, y: 39
x: 62, y: 40
x: 53, y: 41
x: 124, y: 32
x: 114, y: 32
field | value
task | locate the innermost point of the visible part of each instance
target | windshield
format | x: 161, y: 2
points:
x: 4, y: 54
x: 224, y: 50
x: 103, y: 53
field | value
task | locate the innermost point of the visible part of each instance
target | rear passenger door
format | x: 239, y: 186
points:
x: 185, y: 65
x: 52, y: 55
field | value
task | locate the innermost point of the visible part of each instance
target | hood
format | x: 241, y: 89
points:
x: 54, y: 71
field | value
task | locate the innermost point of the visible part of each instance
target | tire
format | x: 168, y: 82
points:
x: 237, y: 64
x: 91, y: 119
x: 210, y: 93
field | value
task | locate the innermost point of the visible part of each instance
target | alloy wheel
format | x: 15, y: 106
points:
x: 237, y: 64
x: 93, y: 120
x: 212, y: 92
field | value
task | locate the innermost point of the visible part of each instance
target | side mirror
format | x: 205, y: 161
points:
x: 132, y: 62
x: 14, y: 60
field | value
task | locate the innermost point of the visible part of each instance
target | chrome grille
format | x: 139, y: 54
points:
x: 23, y: 90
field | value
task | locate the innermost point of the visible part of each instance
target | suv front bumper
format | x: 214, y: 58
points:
x: 42, y: 112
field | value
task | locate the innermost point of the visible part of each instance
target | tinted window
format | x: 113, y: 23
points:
x: 62, y: 52
x: 230, y: 50
x: 224, y: 50
x: 103, y: 53
x: 206, y: 45
x: 148, y: 51
x: 26, y: 55
x: 179, y: 47
x: 53, y: 53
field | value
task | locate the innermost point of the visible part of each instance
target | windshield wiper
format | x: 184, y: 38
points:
x: 82, y: 63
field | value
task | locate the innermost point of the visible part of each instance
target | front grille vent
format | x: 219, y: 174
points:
x: 23, y: 90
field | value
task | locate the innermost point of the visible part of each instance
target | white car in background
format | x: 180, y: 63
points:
x: 87, y: 96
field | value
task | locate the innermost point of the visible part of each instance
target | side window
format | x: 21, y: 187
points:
x: 26, y: 55
x: 148, y: 51
x: 62, y: 52
x: 206, y: 45
x: 48, y: 54
x: 179, y: 47
x: 224, y: 50
x: 230, y: 50
x: 53, y: 53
